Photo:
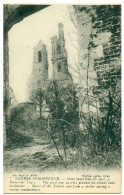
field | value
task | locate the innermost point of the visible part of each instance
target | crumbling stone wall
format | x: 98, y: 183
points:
x: 99, y: 35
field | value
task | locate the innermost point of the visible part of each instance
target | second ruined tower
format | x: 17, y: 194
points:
x: 59, y: 55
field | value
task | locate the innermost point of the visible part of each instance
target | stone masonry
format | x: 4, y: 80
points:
x: 39, y: 75
x: 60, y: 59
x: 99, y: 35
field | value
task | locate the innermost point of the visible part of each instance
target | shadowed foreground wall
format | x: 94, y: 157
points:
x: 99, y: 42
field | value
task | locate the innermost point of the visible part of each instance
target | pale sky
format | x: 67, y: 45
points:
x: 25, y: 35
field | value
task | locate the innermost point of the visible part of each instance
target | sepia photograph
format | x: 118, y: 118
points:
x: 62, y: 98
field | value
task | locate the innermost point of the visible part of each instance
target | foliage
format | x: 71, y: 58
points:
x: 63, y: 101
x: 37, y: 97
x: 103, y: 128
x: 17, y: 137
x: 16, y: 115
x: 54, y: 101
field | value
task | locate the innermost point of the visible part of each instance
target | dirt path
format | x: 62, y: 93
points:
x: 36, y: 156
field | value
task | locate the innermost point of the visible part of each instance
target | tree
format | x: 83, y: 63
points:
x: 37, y: 97
x: 62, y: 100
x: 63, y: 103
x: 52, y: 96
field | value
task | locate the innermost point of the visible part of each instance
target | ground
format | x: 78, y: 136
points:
x: 35, y: 152
x: 31, y: 148
x: 31, y: 157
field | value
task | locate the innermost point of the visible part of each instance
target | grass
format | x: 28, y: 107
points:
x: 33, y: 133
x: 17, y: 140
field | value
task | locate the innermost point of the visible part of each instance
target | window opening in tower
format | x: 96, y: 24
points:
x: 39, y: 56
x: 59, y: 67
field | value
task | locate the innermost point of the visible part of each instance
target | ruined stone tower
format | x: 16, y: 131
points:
x: 59, y: 56
x: 39, y: 73
x: 41, y: 61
